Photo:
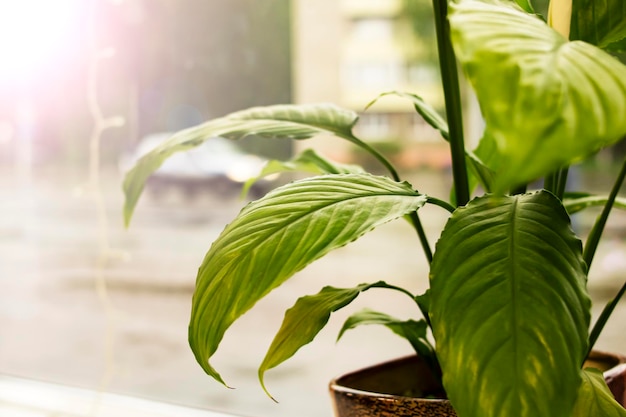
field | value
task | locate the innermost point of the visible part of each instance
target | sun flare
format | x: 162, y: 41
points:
x: 33, y: 33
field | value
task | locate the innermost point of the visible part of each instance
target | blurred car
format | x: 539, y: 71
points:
x: 216, y: 166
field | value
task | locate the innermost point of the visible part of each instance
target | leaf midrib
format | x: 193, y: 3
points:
x: 296, y: 219
x: 311, y: 126
x: 514, y: 285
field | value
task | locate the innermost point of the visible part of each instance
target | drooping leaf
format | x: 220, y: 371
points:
x: 428, y: 113
x: 575, y: 202
x: 594, y: 397
x: 308, y: 161
x: 279, y: 121
x: 546, y: 102
x: 598, y: 22
x: 278, y: 235
x: 509, y: 307
x: 304, y: 321
x: 414, y: 331
x: 482, y: 174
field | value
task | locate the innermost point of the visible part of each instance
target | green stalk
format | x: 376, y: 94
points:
x: 556, y: 182
x: 415, y: 219
x: 598, y: 228
x: 452, y: 96
x: 519, y: 190
x: 549, y: 183
x: 379, y: 157
x: 604, y: 317
x: 561, y: 182
x: 590, y: 249
x: 421, y: 234
x: 431, y: 360
x: 443, y: 204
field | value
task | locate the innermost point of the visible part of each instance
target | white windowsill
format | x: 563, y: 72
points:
x: 26, y: 398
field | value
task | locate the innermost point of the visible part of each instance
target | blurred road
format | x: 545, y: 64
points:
x: 87, y: 303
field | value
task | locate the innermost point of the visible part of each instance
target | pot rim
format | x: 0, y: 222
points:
x: 335, y: 384
x: 335, y: 387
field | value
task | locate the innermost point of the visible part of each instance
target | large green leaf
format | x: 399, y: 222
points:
x: 595, y: 399
x: 280, y: 234
x: 509, y: 307
x: 599, y: 22
x: 279, y: 121
x: 547, y: 102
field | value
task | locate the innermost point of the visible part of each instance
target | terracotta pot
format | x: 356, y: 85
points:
x: 389, y: 389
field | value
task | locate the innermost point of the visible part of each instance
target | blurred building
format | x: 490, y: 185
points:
x: 350, y: 51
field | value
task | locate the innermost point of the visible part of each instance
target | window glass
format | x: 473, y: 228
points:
x: 88, y: 87
x: 373, y: 29
x: 374, y: 125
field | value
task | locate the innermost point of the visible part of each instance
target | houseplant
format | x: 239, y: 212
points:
x: 507, y: 305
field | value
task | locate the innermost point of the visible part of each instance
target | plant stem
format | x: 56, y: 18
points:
x: 443, y: 204
x: 561, y: 182
x: 415, y: 219
x: 452, y: 96
x: 549, y: 183
x: 383, y: 284
x: 431, y: 358
x: 604, y: 317
x: 556, y: 182
x: 379, y: 157
x: 421, y: 233
x: 598, y: 228
x: 519, y: 190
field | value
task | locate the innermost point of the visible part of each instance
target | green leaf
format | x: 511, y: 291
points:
x: 479, y: 161
x: 594, y: 397
x: 509, y: 307
x: 423, y: 302
x: 487, y: 153
x: 279, y: 121
x: 411, y: 330
x: 278, y: 235
x: 308, y: 161
x: 482, y: 173
x: 304, y: 321
x: 575, y: 202
x: 618, y: 47
x: 546, y: 102
x: 598, y: 22
x: 428, y: 113
x: 525, y: 4
x: 313, y: 162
